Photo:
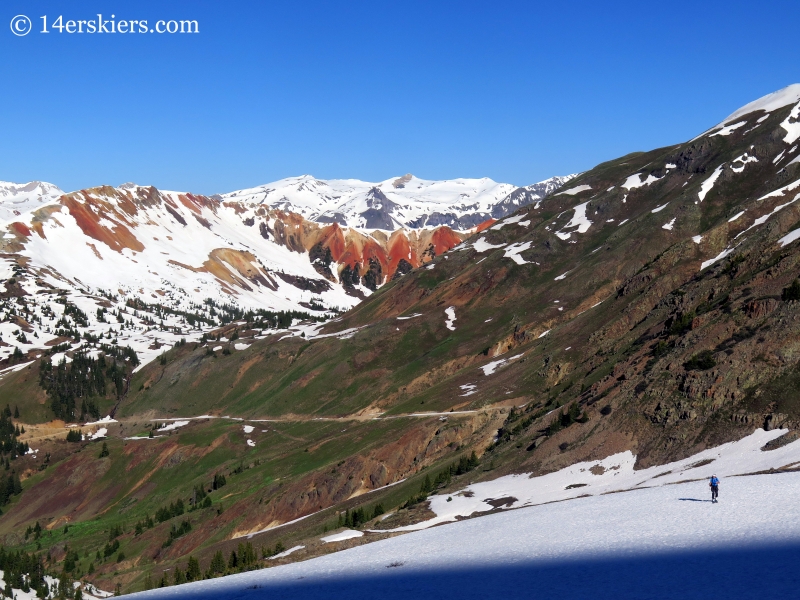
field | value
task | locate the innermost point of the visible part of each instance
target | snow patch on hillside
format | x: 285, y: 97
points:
x: 728, y: 129
x: 508, y: 221
x: 347, y: 534
x: 789, y: 238
x: 514, y: 250
x: 575, y: 190
x: 792, y: 125
x: 634, y: 181
x: 706, y: 186
x: 578, y: 220
x: 742, y: 160
x: 481, y: 245
x: 490, y: 368
x: 451, y: 318
x: 717, y: 258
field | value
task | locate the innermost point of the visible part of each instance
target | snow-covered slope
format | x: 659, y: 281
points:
x: 406, y: 201
x: 179, y: 257
x: 19, y: 198
x: 660, y: 540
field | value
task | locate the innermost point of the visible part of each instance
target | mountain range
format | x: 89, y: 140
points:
x: 250, y: 250
x: 639, y: 316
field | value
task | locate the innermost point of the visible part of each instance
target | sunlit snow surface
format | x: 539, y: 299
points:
x: 656, y: 541
x: 706, y: 186
x: 770, y: 102
x: 410, y: 200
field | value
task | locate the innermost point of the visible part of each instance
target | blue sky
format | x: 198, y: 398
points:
x: 515, y: 91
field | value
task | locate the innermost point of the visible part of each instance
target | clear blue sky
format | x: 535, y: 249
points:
x: 515, y: 91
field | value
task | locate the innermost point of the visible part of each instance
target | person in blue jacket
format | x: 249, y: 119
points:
x: 714, y: 485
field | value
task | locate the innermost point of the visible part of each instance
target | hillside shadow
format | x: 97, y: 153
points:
x: 733, y: 574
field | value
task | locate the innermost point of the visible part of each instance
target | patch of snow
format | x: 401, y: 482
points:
x: 514, y: 250
x: 251, y: 443
x: 789, y: 238
x: 104, y: 421
x: 575, y: 190
x: 621, y: 223
x: 490, y: 368
x: 451, y: 318
x: 697, y: 239
x: 706, y: 186
x: 544, y: 333
x: 736, y: 216
x: 792, y: 125
x: 173, y: 425
x: 481, y: 245
x: 286, y: 553
x: 248, y: 428
x: 347, y: 534
x: 728, y: 129
x: 469, y: 389
x: 718, y: 257
x: 670, y: 225
x: 409, y: 317
x: 763, y: 219
x: 508, y: 221
x: 635, y: 181
x: 744, y: 159
x: 562, y: 276
x: 578, y: 220
x: 100, y: 433
x: 659, y: 208
x: 241, y: 346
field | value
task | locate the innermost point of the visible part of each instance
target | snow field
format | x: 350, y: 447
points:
x: 666, y: 541
x: 612, y: 474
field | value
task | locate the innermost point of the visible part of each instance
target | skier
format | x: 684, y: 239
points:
x: 714, y: 485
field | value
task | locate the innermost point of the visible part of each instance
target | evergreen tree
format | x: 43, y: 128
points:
x: 217, y: 566
x: 193, y: 569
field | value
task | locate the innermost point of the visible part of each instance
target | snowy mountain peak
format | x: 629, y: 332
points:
x: 407, y: 201
x: 771, y: 102
x: 19, y: 198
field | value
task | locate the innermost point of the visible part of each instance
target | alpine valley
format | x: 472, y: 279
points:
x: 199, y: 386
